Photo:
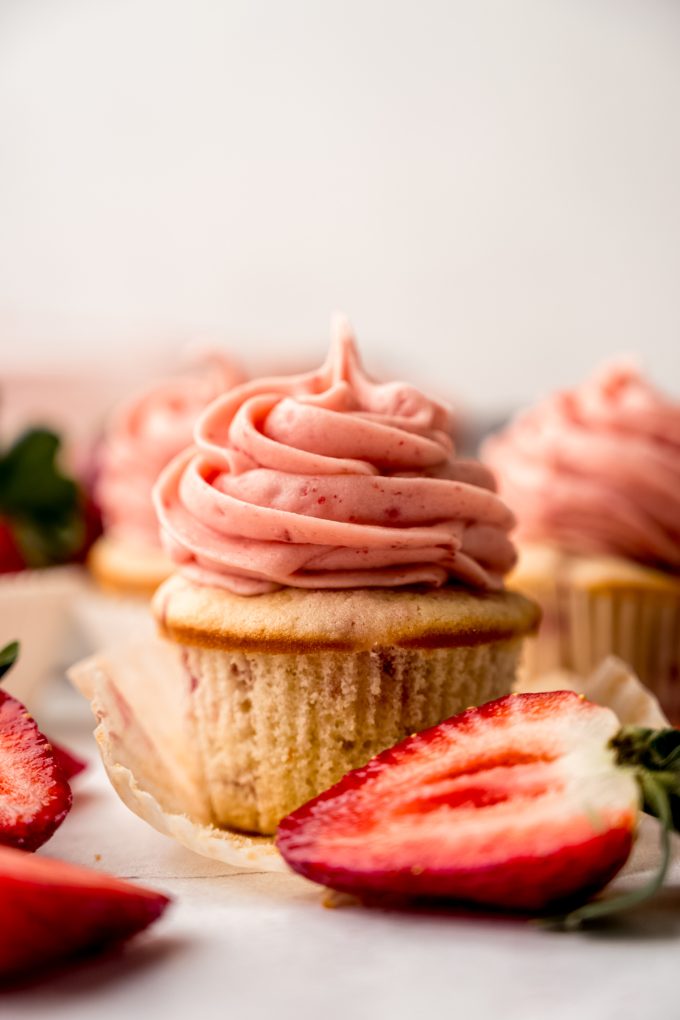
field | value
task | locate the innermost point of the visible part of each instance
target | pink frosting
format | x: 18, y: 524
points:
x: 144, y: 435
x: 597, y: 469
x: 329, y: 480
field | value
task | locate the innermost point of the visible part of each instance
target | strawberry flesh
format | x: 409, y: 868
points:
x: 51, y: 911
x: 35, y: 796
x: 516, y: 805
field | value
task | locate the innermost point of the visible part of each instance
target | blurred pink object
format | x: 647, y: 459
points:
x: 145, y: 433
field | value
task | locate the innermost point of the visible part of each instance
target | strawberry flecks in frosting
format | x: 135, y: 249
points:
x: 597, y: 469
x: 143, y: 437
x: 330, y: 480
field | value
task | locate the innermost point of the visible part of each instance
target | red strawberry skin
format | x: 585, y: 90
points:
x: 516, y: 805
x: 35, y: 796
x: 69, y: 763
x: 51, y: 912
x: 11, y: 559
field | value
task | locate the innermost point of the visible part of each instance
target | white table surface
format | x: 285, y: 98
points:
x: 243, y: 945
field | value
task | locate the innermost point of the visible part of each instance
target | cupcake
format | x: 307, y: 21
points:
x: 142, y: 437
x: 593, y: 475
x: 340, y: 582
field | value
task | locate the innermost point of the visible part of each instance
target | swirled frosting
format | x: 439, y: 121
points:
x: 597, y: 469
x: 330, y: 480
x: 144, y: 434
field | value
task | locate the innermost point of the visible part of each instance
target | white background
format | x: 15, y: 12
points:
x: 490, y: 189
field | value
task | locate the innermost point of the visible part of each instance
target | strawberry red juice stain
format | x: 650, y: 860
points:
x: 193, y: 679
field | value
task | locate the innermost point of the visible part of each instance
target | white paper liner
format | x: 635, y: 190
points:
x: 613, y: 684
x: 36, y: 609
x: 640, y: 626
x: 138, y: 695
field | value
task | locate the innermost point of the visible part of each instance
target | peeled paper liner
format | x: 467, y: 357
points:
x: 139, y: 693
x: 139, y: 696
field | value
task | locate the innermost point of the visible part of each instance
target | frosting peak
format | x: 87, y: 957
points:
x: 596, y: 469
x: 331, y: 480
x: 145, y: 433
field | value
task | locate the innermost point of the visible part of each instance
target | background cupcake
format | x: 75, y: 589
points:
x: 593, y: 475
x: 340, y: 583
x: 143, y: 435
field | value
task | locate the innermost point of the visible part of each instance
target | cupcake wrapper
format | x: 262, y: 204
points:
x: 139, y: 695
x: 275, y: 730
x: 640, y: 627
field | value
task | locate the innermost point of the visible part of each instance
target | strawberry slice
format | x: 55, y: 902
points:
x: 69, y: 763
x: 35, y: 796
x: 51, y: 911
x: 521, y: 804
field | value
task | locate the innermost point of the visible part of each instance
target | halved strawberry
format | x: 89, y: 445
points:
x: 69, y: 763
x: 520, y: 804
x: 51, y: 911
x: 35, y: 796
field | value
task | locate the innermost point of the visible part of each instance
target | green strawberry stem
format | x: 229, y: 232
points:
x: 8, y: 656
x: 654, y: 756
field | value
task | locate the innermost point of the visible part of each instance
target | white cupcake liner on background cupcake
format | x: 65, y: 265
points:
x: 36, y: 609
x: 641, y: 627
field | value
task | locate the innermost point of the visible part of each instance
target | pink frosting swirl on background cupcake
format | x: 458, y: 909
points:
x: 330, y: 480
x: 597, y: 469
x: 145, y: 434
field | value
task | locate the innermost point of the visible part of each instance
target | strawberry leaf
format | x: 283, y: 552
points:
x: 653, y: 753
x: 42, y: 506
x: 8, y: 656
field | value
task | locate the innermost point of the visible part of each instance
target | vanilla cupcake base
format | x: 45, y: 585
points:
x: 291, y: 690
x: 127, y: 569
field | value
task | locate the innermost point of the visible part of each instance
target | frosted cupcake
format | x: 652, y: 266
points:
x: 142, y: 438
x: 340, y: 582
x: 593, y: 475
